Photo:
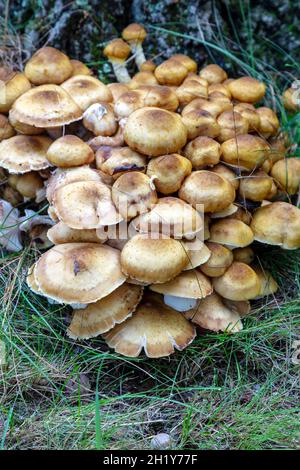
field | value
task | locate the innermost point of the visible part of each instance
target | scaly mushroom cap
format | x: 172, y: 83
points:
x: 257, y: 186
x: 245, y: 151
x: 213, y: 74
x: 172, y: 217
x: 69, y: 151
x: 227, y: 173
x: 231, y: 232
x: 61, y: 233
x: 239, y: 282
x: 203, y: 151
x: 154, y: 132
x: 153, y: 260
x: 86, y: 90
x: 79, y: 272
x: 85, y: 205
x: 45, y: 106
x: 231, y: 124
x: 198, y: 253
x: 133, y: 194
x: 168, y: 172
x: 48, y: 65
x: 220, y: 259
x: 115, y: 161
x: 24, y: 153
x: 268, y: 285
x: 155, y: 327
x: 117, y: 50
x: 247, y: 89
x: 103, y: 315
x: 209, y: 189
x: 190, y: 284
x: 200, y: 122
x: 79, y: 68
x: 6, y: 129
x: 248, y: 112
x: 171, y: 72
x: 212, y: 314
x: 269, y: 123
x: 244, y: 255
x: 287, y: 173
x: 277, y: 223
x: 13, y: 85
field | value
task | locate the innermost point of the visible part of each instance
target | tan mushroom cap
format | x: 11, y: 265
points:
x: 171, y: 72
x: 244, y: 255
x: 200, y: 123
x: 142, y: 79
x: 213, y: 73
x: 159, y: 96
x: 100, y: 119
x: 79, y: 68
x: 277, y: 223
x: 189, y: 63
x: 278, y: 147
x: 287, y: 174
x: 61, y: 233
x: 247, y: 89
x: 115, y: 161
x: 69, y: 151
x: 212, y: 314
x: 26, y: 129
x: 257, y: 186
x: 269, y: 123
x: 198, y: 253
x: 239, y: 282
x: 29, y: 184
x: 290, y: 101
x: 219, y: 88
x: 133, y: 194
x: 231, y: 124
x: 153, y: 131
x: 48, y: 65
x: 248, y: 111
x: 241, y: 307
x: 230, y: 210
x: 6, y: 129
x: 86, y: 90
x: 227, y: 173
x: 190, y: 284
x: 172, y: 217
x: 30, y: 280
x: 191, y: 89
x: 117, y: 89
x: 103, y: 315
x: 242, y: 214
x: 153, y: 260
x: 155, y: 327
x: 117, y: 50
x: 85, y: 205
x: 14, y: 84
x: 268, y: 285
x: 245, y: 151
x: 203, y: 151
x: 45, y: 106
x: 129, y: 102
x: 231, y: 232
x: 220, y: 259
x: 24, y: 153
x: 168, y: 172
x: 134, y: 32
x: 79, y: 272
x: 209, y: 189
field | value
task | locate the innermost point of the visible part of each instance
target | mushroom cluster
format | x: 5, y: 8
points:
x: 158, y: 185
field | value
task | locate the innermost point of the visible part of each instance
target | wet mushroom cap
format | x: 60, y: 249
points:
x: 69, y: 151
x: 48, y: 65
x: 247, y: 89
x: 168, y: 172
x: 220, y: 259
x: 24, y: 153
x: 239, y: 282
x: 86, y: 90
x: 189, y: 284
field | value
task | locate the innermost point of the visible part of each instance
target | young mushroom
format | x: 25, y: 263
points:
x: 135, y: 34
x: 117, y: 52
x: 86, y: 90
x: 232, y: 233
x: 48, y: 65
x: 257, y: 186
x: 245, y: 151
x: 247, y: 89
x: 13, y: 85
x: 168, y: 172
x: 6, y: 129
x: 61, y: 233
x: 203, y: 151
x: 220, y: 259
x: 23, y: 153
x: 239, y: 282
x: 286, y: 173
x: 213, y: 73
x: 79, y: 68
x: 69, y: 151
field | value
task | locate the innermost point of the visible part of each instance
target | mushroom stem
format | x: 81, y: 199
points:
x: 121, y: 71
x: 137, y: 50
x: 181, y: 304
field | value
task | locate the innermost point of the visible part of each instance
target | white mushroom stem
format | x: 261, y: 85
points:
x: 121, y: 71
x: 181, y: 304
x: 137, y: 50
x: 9, y: 228
x: 95, y: 111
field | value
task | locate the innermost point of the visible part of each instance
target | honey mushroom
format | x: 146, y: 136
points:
x: 168, y: 172
x: 117, y: 52
x: 69, y: 151
x: 115, y: 161
x: 135, y: 34
x: 14, y: 85
x: 6, y: 129
x: 202, y: 152
x: 48, y: 66
x: 286, y: 173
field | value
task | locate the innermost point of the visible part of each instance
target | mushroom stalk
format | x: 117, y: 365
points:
x: 121, y: 72
x: 137, y: 50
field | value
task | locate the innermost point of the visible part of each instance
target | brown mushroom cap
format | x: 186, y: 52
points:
x: 79, y: 68
x: 45, y: 106
x: 117, y: 90
x: 269, y: 123
x: 239, y: 282
x: 171, y: 72
x: 277, y: 223
x: 101, y: 316
x: 219, y: 88
x: 148, y: 66
x: 61, y: 233
x: 115, y: 161
x: 6, y: 129
x: 48, y: 65
x: 168, y: 172
x: 214, y: 108
x: 86, y: 90
x: 190, y: 284
x: 142, y: 79
x: 268, y: 285
x: 220, y: 259
x: 29, y: 184
x: 69, y: 151
x: 24, y: 153
x: 189, y: 63
x: 209, y: 189
x: 191, y: 89
x: 13, y: 85
x: 248, y: 112
x: 287, y: 174
x: 247, y: 89
x: 231, y: 124
x: 213, y: 73
x: 200, y: 123
x: 245, y: 151
x: 134, y: 32
x: 203, y: 151
x: 117, y: 50
x: 231, y: 232
x: 155, y: 327
x: 198, y: 253
x: 257, y: 186
x: 153, y: 260
x: 227, y: 173
x: 159, y: 96
x: 290, y: 101
x: 153, y: 131
x: 244, y: 255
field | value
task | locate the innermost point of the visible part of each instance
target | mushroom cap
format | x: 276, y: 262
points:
x: 277, y: 223
x: 45, y: 106
x: 155, y: 327
x: 239, y: 282
x: 61, y: 233
x: 79, y: 272
x: 142, y: 79
x: 24, y: 153
x: 117, y: 89
x: 220, y: 259
x: 148, y: 66
x: 203, y: 151
x: 13, y: 85
x: 198, y: 253
x: 269, y: 123
x: 29, y: 184
x: 134, y: 32
x: 230, y: 210
x: 153, y: 260
x: 247, y: 89
x: 153, y: 131
x: 219, y: 88
x: 242, y: 214
x: 231, y: 232
x: 241, y: 307
x: 268, y: 285
x: 189, y: 63
x: 190, y: 284
x: 191, y: 89
x: 86, y: 90
x: 159, y: 96
x: 290, y: 100
x: 117, y: 50
x: 79, y: 68
x: 245, y: 151
x: 48, y: 65
x: 99, y: 118
x: 168, y: 172
x: 256, y: 186
x: 244, y: 255
x: 172, y: 217
x: 287, y: 173
x: 248, y: 112
x: 231, y: 124
x: 213, y: 73
x: 26, y: 129
x: 129, y: 102
x: 115, y: 161
x: 171, y: 72
x: 85, y: 205
x: 101, y: 316
x: 209, y: 189
x: 227, y: 173
x: 6, y: 129
x: 200, y: 122
x: 133, y: 194
x: 212, y: 314
x: 213, y: 107
x: 69, y: 151
x: 31, y: 282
